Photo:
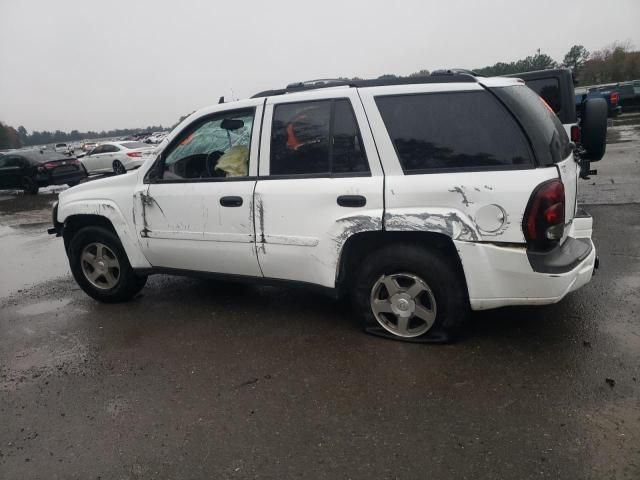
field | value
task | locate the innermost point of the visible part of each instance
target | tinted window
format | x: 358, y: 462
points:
x: 98, y: 149
x: 548, y: 136
x: 7, y: 162
x: 453, y: 130
x: 215, y: 147
x: 300, y: 139
x: 348, y: 151
x: 549, y: 89
x: 109, y: 149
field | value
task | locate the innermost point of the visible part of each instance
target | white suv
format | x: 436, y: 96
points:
x: 420, y: 198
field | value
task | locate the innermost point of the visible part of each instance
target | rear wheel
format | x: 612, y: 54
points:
x: 118, y: 167
x: 30, y: 186
x: 407, y: 292
x: 101, y: 267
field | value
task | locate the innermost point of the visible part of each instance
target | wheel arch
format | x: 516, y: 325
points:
x: 106, y: 214
x: 358, y: 246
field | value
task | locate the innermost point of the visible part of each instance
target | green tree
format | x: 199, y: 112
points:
x: 576, y: 58
x: 421, y: 73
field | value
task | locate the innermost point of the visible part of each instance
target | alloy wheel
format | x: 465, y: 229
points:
x: 403, y: 304
x: 100, y: 266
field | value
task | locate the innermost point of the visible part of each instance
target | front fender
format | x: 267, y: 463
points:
x: 109, y: 210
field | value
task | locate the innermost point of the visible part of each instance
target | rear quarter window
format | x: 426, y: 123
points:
x: 548, y: 137
x: 435, y: 132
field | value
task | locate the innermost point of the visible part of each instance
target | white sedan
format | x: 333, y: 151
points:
x: 116, y: 157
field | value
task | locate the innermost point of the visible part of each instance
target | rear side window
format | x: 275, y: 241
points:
x: 548, y: 137
x: 318, y: 137
x: 456, y: 130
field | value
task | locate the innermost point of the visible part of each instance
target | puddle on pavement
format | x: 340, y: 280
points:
x: 47, y: 306
x: 28, y: 254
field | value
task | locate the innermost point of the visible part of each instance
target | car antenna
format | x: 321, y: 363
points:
x: 221, y: 99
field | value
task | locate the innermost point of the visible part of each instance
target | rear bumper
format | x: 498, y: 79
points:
x: 499, y: 276
x: 71, y: 177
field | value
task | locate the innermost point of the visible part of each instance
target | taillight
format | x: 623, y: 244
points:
x: 134, y: 154
x: 50, y: 165
x: 575, y: 134
x: 543, y: 223
x: 613, y: 98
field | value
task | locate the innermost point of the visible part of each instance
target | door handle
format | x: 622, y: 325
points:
x: 352, y: 201
x: 231, y: 201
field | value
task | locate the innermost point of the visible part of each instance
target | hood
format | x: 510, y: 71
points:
x: 102, y: 188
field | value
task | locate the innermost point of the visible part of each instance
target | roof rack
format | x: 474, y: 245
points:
x: 439, y: 76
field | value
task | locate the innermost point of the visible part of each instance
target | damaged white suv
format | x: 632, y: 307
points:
x: 422, y: 199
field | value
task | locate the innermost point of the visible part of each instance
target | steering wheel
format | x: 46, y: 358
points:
x: 210, y: 163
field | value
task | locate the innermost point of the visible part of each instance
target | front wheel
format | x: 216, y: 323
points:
x: 100, y: 266
x: 118, y: 167
x: 407, y: 292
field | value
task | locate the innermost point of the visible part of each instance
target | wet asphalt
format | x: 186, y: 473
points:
x: 201, y: 379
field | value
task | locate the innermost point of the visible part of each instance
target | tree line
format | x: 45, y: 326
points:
x: 614, y: 63
x: 16, y: 138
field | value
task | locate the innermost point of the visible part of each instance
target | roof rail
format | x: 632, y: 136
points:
x: 455, y: 71
x: 451, y: 76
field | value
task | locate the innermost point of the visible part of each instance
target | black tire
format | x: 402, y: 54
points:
x: 593, y: 129
x: 441, y: 273
x: 128, y: 283
x: 30, y: 186
x: 118, y: 168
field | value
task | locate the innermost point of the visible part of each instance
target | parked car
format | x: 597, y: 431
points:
x: 30, y: 170
x: 88, y: 146
x: 62, y: 148
x: 629, y: 100
x: 116, y: 157
x: 420, y: 198
x: 156, y: 137
x: 610, y: 95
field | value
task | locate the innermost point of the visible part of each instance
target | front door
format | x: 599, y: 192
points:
x: 93, y: 161
x: 197, y: 211
x: 320, y: 182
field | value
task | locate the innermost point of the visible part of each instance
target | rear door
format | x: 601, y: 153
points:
x: 105, y: 159
x: 320, y: 182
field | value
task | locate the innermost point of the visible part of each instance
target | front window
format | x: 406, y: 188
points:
x: 216, y: 147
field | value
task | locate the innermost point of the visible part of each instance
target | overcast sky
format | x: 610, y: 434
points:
x: 97, y: 64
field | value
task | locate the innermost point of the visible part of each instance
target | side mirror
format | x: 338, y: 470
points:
x: 231, y: 124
